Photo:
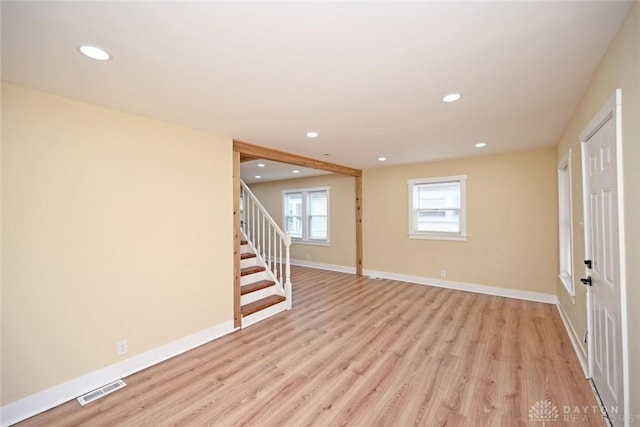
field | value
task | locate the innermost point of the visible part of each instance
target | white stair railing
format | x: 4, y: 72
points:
x: 271, y: 243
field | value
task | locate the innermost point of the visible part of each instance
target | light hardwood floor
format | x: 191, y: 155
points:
x: 361, y: 352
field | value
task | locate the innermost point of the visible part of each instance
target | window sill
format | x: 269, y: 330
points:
x: 456, y: 238
x: 567, y: 281
x: 309, y: 243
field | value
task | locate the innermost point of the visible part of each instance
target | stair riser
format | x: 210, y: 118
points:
x: 248, y: 262
x: 263, y: 314
x: 255, y: 277
x: 244, y: 249
x: 255, y: 296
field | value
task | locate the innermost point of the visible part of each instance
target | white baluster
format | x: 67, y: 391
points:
x: 287, y: 282
x: 280, y: 270
x: 263, y: 238
x: 269, y: 246
x: 280, y: 266
x: 257, y: 230
x: 253, y: 220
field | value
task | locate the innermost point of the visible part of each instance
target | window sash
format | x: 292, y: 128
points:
x: 293, y: 214
x: 437, y: 220
x: 294, y: 226
x: 317, y: 227
x: 444, y: 195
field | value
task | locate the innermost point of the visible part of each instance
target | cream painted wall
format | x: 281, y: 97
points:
x: 620, y: 68
x: 113, y: 227
x: 342, y: 222
x: 512, y: 225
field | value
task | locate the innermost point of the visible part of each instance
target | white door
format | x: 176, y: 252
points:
x: 603, y: 252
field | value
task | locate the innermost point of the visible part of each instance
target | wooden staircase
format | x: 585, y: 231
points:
x: 260, y: 298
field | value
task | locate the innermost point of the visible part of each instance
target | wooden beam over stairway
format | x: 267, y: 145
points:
x: 250, y: 151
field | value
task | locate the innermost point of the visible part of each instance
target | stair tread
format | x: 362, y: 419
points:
x: 247, y: 255
x: 261, y: 304
x: 243, y: 242
x: 250, y: 270
x: 256, y: 286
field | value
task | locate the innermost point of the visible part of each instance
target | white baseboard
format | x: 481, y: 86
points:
x: 575, y: 340
x: 36, y: 403
x: 323, y: 266
x: 469, y: 287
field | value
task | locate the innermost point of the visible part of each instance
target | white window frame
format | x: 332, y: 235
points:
x: 565, y: 215
x: 305, y: 224
x: 433, y: 235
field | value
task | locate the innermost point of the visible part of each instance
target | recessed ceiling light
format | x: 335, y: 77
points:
x: 258, y: 177
x: 260, y: 165
x: 452, y: 97
x: 312, y: 134
x: 94, y: 52
x: 481, y: 144
x: 296, y: 171
x: 382, y: 159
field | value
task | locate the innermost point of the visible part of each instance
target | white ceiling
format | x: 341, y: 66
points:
x: 368, y: 76
x: 274, y: 171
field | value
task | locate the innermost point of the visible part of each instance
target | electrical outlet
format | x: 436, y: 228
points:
x: 122, y: 347
x: 443, y: 273
x: 307, y: 256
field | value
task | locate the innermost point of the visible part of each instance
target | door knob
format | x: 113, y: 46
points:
x: 587, y: 281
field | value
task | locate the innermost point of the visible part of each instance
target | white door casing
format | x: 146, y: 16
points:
x: 604, y: 220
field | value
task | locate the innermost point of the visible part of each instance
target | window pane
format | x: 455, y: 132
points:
x: 293, y: 214
x: 318, y: 227
x: 444, y: 195
x: 318, y: 203
x: 317, y: 212
x: 443, y: 220
x: 293, y: 204
x: 294, y: 226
